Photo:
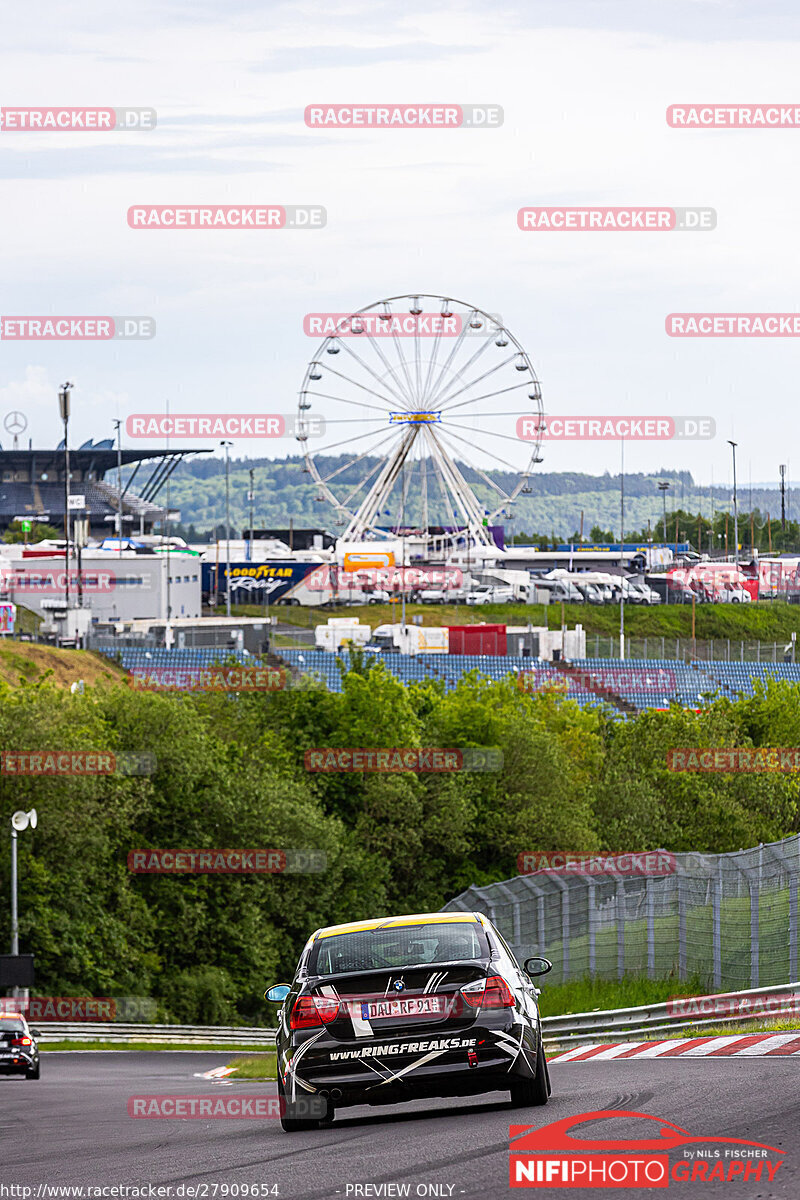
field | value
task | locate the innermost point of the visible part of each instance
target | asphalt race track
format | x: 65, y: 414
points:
x: 72, y: 1127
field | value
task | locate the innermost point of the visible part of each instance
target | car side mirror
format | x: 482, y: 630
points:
x: 277, y: 993
x: 35, y: 1033
x: 538, y: 966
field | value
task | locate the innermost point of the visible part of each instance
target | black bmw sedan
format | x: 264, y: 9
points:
x: 403, y: 1008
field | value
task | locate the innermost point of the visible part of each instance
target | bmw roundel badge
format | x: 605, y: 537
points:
x: 399, y: 986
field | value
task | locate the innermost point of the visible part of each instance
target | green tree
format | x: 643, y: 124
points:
x: 37, y: 533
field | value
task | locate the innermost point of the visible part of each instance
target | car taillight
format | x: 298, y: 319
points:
x: 21, y: 1041
x: 493, y: 992
x: 310, y: 1011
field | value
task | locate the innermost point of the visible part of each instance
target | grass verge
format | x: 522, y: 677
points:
x: 28, y: 662
x: 738, y: 1029
x: 263, y: 1067
x: 767, y: 620
x: 592, y: 995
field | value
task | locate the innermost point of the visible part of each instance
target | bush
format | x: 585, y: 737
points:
x: 201, y: 996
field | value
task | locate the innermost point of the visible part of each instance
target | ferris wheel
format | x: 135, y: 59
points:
x: 419, y: 413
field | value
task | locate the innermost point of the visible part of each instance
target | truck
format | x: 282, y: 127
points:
x: 409, y: 639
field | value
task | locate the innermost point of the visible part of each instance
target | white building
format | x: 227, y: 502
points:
x: 114, y: 586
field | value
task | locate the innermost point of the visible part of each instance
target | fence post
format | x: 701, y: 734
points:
x: 651, y: 930
x: 590, y: 914
x: 679, y: 883
x: 663, y: 649
x: 742, y: 653
x: 619, y: 899
x: 716, y: 903
x: 565, y: 932
x: 754, y: 941
x: 793, y: 925
x: 516, y: 925
x: 677, y: 649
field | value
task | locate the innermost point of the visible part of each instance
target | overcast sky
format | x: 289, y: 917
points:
x: 584, y: 88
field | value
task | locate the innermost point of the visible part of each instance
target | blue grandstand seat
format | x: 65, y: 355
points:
x: 645, y: 683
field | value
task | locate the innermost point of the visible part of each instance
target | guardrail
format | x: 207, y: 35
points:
x: 178, y: 1035
x: 656, y: 1018
x: 567, y: 1027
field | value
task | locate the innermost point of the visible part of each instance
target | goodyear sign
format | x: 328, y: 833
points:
x: 266, y: 579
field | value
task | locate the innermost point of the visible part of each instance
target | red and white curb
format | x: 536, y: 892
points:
x: 758, y: 1045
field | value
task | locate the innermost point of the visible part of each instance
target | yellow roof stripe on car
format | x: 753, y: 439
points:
x: 448, y: 918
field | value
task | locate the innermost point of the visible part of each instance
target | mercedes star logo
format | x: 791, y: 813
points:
x: 15, y: 422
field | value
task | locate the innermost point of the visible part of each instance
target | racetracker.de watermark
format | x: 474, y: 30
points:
x: 647, y: 863
x: 656, y: 681
x: 63, y: 1008
x: 616, y: 219
x: 227, y: 216
x: 743, y: 325
x: 612, y: 428
x: 53, y: 581
x: 76, y: 329
x: 734, y: 116
x: 734, y: 1004
x: 70, y: 120
x: 226, y: 862
x: 393, y: 759
x: 76, y: 762
x: 750, y: 760
x: 403, y: 116
x: 228, y: 1107
x: 392, y: 579
x: 208, y: 679
x: 216, y: 425
x: 395, y: 324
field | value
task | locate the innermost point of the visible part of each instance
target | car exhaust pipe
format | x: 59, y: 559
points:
x: 336, y: 1093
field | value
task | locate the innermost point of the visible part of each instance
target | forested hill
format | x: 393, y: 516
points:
x: 554, y: 506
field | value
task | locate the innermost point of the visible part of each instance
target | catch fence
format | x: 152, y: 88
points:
x: 683, y: 649
x: 729, y: 919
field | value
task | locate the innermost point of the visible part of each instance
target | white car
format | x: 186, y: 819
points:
x: 435, y: 596
x: 647, y: 594
x: 491, y: 595
x: 732, y: 593
x: 378, y: 597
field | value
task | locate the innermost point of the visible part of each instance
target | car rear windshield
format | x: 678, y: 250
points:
x: 11, y: 1025
x: 408, y: 946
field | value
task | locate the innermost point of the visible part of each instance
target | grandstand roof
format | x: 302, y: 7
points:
x: 98, y: 457
x: 32, y: 483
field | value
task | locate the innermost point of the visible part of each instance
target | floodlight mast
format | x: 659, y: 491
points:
x: 733, y: 446
x: 14, y: 912
x: 63, y: 407
x: 19, y: 822
x: 227, y: 446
